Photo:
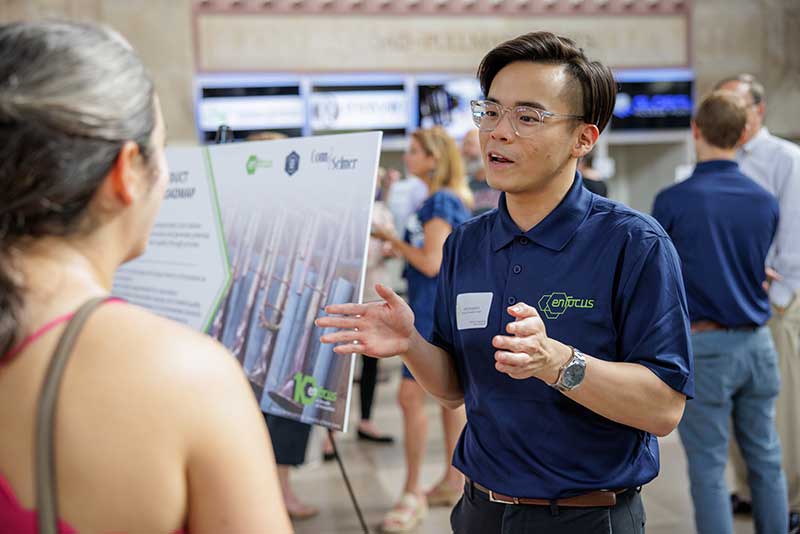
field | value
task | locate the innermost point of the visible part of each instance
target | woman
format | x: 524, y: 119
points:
x: 156, y: 427
x: 434, y: 157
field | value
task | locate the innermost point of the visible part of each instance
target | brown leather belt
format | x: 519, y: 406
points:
x: 709, y: 326
x: 587, y: 500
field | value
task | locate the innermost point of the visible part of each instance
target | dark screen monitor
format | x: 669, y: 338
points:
x: 445, y: 102
x: 249, y: 109
x: 653, y: 100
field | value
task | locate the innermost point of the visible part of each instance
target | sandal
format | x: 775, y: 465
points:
x: 406, y: 515
x: 443, y: 495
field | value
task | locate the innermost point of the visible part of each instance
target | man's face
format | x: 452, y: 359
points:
x: 524, y: 164
x: 755, y: 112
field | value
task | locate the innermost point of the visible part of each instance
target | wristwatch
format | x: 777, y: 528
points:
x: 571, y: 374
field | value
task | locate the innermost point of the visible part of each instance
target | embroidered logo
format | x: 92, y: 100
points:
x: 555, y: 304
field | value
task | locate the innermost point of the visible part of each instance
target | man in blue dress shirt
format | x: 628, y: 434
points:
x: 722, y: 224
x: 560, y: 319
x: 774, y: 163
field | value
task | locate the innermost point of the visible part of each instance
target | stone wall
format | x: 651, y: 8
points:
x: 159, y: 30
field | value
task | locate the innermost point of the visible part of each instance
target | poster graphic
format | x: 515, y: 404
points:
x: 184, y: 272
x: 296, y: 215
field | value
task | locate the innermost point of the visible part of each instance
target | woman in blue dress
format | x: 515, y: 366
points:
x: 434, y: 157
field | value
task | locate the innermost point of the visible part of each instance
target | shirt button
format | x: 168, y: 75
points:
x: 517, y: 269
x: 511, y: 301
x: 523, y: 240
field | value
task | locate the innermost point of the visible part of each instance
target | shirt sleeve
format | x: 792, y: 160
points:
x: 784, y: 255
x: 443, y: 205
x: 661, y: 213
x: 652, y: 314
x: 442, y: 332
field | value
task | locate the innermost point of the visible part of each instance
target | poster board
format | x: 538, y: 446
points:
x: 184, y: 273
x: 294, y: 219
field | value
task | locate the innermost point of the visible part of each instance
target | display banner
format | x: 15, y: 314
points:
x: 184, y: 272
x: 296, y: 214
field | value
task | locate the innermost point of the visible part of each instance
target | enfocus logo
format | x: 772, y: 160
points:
x: 555, y: 304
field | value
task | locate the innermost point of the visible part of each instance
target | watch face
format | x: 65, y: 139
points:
x: 573, y: 375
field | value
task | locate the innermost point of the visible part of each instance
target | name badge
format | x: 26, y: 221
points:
x: 472, y: 310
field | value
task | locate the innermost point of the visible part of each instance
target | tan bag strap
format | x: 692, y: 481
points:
x: 46, y: 486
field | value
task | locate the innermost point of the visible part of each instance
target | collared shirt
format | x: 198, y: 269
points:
x: 722, y: 224
x: 605, y: 280
x: 445, y: 205
x: 775, y: 164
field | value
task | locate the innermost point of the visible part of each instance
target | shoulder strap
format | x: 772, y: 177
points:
x: 46, y: 487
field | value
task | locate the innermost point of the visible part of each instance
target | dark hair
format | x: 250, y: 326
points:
x: 721, y: 118
x: 70, y: 96
x: 754, y: 87
x: 594, y: 89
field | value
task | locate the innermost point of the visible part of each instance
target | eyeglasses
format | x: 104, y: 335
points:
x: 524, y: 119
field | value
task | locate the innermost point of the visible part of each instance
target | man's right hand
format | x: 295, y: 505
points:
x: 378, y: 329
x: 772, y: 276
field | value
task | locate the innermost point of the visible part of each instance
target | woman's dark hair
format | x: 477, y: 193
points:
x: 70, y: 96
x: 593, y: 92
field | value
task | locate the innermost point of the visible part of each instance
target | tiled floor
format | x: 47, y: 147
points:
x: 376, y: 472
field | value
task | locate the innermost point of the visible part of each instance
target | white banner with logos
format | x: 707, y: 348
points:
x: 297, y: 216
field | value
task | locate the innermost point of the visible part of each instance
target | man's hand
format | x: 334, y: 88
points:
x: 528, y: 352
x: 377, y: 329
x: 772, y: 276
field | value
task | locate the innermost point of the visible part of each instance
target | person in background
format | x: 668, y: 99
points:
x: 484, y: 197
x: 433, y: 156
x: 722, y: 224
x: 774, y: 163
x: 404, y: 197
x: 592, y: 180
x: 156, y: 428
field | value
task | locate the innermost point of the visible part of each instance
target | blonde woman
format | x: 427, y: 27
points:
x: 434, y: 157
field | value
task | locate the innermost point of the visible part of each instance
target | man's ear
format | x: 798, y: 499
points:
x: 695, y: 131
x: 587, y: 137
x: 123, y: 178
x: 761, y: 109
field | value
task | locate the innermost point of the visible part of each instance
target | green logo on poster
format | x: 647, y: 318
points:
x: 306, y: 390
x: 555, y: 304
x: 254, y: 163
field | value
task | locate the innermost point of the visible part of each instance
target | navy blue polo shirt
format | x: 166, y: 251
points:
x: 606, y: 280
x: 447, y: 206
x: 722, y: 224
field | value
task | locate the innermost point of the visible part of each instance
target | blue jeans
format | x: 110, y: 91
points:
x: 736, y: 376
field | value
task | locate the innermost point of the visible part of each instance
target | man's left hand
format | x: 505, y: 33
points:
x: 528, y: 352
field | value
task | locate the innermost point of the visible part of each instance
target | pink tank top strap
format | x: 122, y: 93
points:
x: 42, y: 331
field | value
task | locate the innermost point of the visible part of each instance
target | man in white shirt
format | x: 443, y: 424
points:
x: 775, y: 164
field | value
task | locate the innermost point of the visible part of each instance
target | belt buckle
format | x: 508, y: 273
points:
x: 492, y: 498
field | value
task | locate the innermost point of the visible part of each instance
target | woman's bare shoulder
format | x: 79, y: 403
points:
x: 155, y: 352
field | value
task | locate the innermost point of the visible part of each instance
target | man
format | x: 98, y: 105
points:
x: 775, y: 164
x: 722, y: 224
x: 563, y: 399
